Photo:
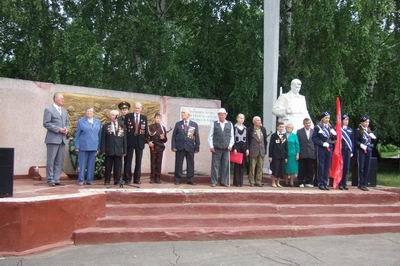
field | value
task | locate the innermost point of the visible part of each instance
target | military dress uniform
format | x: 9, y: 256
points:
x: 158, y: 136
x: 324, y: 137
x: 347, y: 152
x: 121, y: 106
x: 364, y: 137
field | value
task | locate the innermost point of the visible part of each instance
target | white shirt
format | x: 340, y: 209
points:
x: 90, y: 120
x: 308, y: 132
x: 137, y: 117
x: 114, y: 129
x: 211, y: 134
x: 58, y: 108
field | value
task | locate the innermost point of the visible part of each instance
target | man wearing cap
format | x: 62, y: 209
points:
x: 364, y: 137
x: 123, y: 111
x: 185, y: 143
x: 347, y: 150
x: 324, y: 138
x: 137, y: 137
x: 220, y: 140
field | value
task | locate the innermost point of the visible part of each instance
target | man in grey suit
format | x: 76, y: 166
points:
x: 307, y: 154
x: 55, y: 120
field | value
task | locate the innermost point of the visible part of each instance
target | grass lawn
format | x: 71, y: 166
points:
x: 389, y: 178
x: 389, y: 172
x: 390, y: 154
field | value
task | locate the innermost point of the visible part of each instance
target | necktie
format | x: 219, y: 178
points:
x: 137, y: 124
x: 186, y: 126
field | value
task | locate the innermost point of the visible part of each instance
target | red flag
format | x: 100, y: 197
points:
x: 337, y: 160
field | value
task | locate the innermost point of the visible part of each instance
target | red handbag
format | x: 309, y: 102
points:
x: 236, y: 157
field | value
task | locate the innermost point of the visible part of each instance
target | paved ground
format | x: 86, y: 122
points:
x: 379, y: 249
x: 29, y: 188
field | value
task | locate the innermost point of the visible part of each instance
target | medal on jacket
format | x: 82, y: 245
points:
x: 190, y: 132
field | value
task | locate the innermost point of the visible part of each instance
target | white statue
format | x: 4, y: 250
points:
x: 292, y: 106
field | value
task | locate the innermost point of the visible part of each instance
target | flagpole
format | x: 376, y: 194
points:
x: 336, y: 169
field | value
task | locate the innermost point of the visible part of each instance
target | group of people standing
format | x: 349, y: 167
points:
x: 297, y: 154
x: 119, y: 139
x: 125, y: 135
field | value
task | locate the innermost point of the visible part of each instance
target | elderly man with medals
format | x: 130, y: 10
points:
x: 185, y: 143
x: 137, y: 137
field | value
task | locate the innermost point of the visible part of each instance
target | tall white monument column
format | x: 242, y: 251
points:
x: 271, y: 59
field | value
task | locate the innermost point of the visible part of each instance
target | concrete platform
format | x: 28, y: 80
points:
x: 39, y: 217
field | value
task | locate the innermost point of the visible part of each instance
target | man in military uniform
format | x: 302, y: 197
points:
x: 123, y: 111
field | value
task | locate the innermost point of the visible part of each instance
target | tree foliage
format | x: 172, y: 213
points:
x: 212, y: 49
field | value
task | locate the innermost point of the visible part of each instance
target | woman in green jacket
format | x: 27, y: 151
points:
x: 292, y: 165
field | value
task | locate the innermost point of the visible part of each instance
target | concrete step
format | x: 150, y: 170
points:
x: 96, y: 235
x: 206, y: 179
x: 277, y: 196
x: 148, y: 209
x: 223, y: 220
x: 202, y: 179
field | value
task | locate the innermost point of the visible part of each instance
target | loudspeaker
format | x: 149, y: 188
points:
x: 6, y: 172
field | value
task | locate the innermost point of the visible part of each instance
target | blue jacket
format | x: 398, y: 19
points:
x: 321, y: 135
x: 87, y: 135
x: 363, y: 137
x: 347, y: 141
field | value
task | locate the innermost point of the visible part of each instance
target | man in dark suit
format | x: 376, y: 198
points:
x: 185, y: 143
x: 55, y: 120
x: 113, y: 145
x: 137, y: 136
x: 307, y: 155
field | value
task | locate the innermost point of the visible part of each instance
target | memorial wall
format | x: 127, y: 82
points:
x: 21, y: 126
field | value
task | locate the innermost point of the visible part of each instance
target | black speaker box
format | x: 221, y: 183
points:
x: 6, y: 172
